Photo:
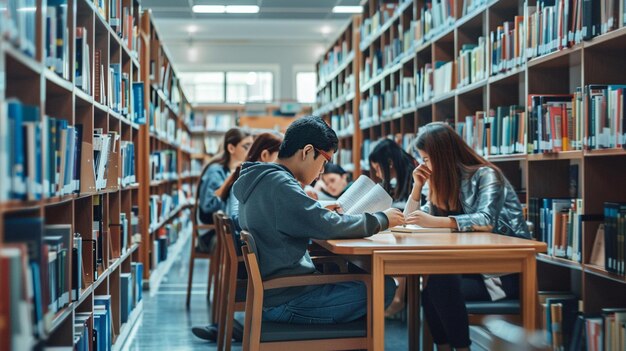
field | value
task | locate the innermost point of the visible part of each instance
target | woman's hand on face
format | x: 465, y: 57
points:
x: 426, y: 220
x: 421, y: 174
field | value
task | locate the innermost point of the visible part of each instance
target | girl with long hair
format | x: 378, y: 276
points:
x: 466, y: 193
x: 390, y: 164
x: 235, y: 150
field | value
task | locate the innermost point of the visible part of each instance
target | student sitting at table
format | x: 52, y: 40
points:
x: 334, y: 181
x: 274, y: 208
x: 467, y: 193
x: 394, y: 167
x: 264, y: 149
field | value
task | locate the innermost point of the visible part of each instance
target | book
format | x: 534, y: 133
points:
x: 363, y: 196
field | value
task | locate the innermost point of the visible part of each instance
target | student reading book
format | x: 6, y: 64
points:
x: 466, y: 193
x: 274, y: 208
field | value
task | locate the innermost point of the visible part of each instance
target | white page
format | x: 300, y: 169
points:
x: 355, y: 192
x: 414, y: 228
x: 375, y: 200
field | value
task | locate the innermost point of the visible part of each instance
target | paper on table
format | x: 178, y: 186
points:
x: 414, y: 228
x: 374, y: 200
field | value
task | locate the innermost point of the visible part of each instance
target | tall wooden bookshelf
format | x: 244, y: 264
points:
x: 167, y: 131
x: 338, y: 99
x: 455, y: 95
x: 131, y: 44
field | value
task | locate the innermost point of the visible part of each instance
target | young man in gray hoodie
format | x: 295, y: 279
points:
x: 283, y: 219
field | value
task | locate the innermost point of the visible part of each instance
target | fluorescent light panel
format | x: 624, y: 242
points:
x: 225, y: 9
x: 347, y: 9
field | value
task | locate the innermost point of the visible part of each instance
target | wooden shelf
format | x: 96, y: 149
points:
x: 366, y: 42
x: 68, y: 310
x: 25, y: 60
x: 563, y: 262
x: 506, y: 158
x: 601, y: 272
x: 605, y: 152
x: 564, y: 155
x: 346, y: 62
x: 169, y: 217
x: 555, y: 59
x: 161, y: 270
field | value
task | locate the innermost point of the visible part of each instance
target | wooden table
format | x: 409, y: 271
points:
x: 453, y: 253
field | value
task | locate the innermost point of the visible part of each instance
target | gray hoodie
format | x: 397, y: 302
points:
x: 283, y: 219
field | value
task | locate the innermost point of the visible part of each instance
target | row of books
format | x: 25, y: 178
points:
x: 214, y: 121
x: 35, y: 263
x: 558, y: 222
x: 554, y: 25
x: 56, y: 49
x: 501, y: 132
x: 332, y: 60
x: 472, y: 63
x: 372, y: 24
x: 436, y: 16
x: 343, y: 157
x: 615, y: 237
x: 167, y: 235
x: 593, y: 117
x: 212, y: 144
x: 163, y: 165
x: 566, y: 328
x: 19, y: 25
x: 343, y: 125
x: 507, y: 46
x: 336, y: 90
x: 128, y: 171
x: 124, y: 22
x: 471, y: 5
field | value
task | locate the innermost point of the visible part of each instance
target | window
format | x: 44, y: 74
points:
x: 230, y: 87
x: 205, y: 87
x: 305, y: 87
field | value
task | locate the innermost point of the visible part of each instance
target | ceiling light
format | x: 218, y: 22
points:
x: 347, y: 9
x: 192, y: 29
x: 209, y: 8
x: 242, y: 9
x: 325, y: 30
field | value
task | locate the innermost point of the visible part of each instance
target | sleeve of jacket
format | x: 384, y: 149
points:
x: 412, y: 206
x: 300, y: 216
x: 490, y: 198
x: 209, y: 202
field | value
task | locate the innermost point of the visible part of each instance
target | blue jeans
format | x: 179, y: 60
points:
x: 327, y: 304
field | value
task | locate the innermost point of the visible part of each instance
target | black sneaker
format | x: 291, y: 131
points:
x: 209, y: 332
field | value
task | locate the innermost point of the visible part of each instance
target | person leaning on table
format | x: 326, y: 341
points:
x: 467, y: 193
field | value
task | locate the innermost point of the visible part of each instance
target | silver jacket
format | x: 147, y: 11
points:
x: 489, y: 203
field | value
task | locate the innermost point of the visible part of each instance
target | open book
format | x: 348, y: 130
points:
x: 361, y: 197
x: 414, y: 228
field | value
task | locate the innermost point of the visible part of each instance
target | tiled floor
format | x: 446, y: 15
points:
x: 166, y: 324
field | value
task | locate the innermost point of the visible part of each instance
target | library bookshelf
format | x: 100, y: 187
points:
x: 454, y: 61
x: 82, y: 79
x: 338, y: 99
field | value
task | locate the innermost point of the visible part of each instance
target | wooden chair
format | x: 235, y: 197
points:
x: 232, y: 297
x: 260, y: 335
x: 213, y: 257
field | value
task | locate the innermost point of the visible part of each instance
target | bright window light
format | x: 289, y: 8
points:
x: 242, y: 9
x: 209, y: 8
x: 347, y: 9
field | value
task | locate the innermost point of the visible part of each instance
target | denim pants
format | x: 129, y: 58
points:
x: 327, y: 304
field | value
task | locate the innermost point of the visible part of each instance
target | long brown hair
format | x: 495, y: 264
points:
x: 449, y: 155
x: 265, y: 141
x: 232, y: 137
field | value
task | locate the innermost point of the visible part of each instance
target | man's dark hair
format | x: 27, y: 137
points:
x: 308, y: 130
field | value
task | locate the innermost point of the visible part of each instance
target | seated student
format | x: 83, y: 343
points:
x: 335, y: 180
x: 236, y: 145
x: 467, y: 193
x: 394, y: 167
x: 264, y: 149
x: 282, y: 218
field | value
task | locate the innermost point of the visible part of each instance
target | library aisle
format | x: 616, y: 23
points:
x: 166, y: 324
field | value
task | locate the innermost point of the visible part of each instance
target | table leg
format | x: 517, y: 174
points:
x: 413, y: 311
x: 378, y: 303
x: 529, y: 290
